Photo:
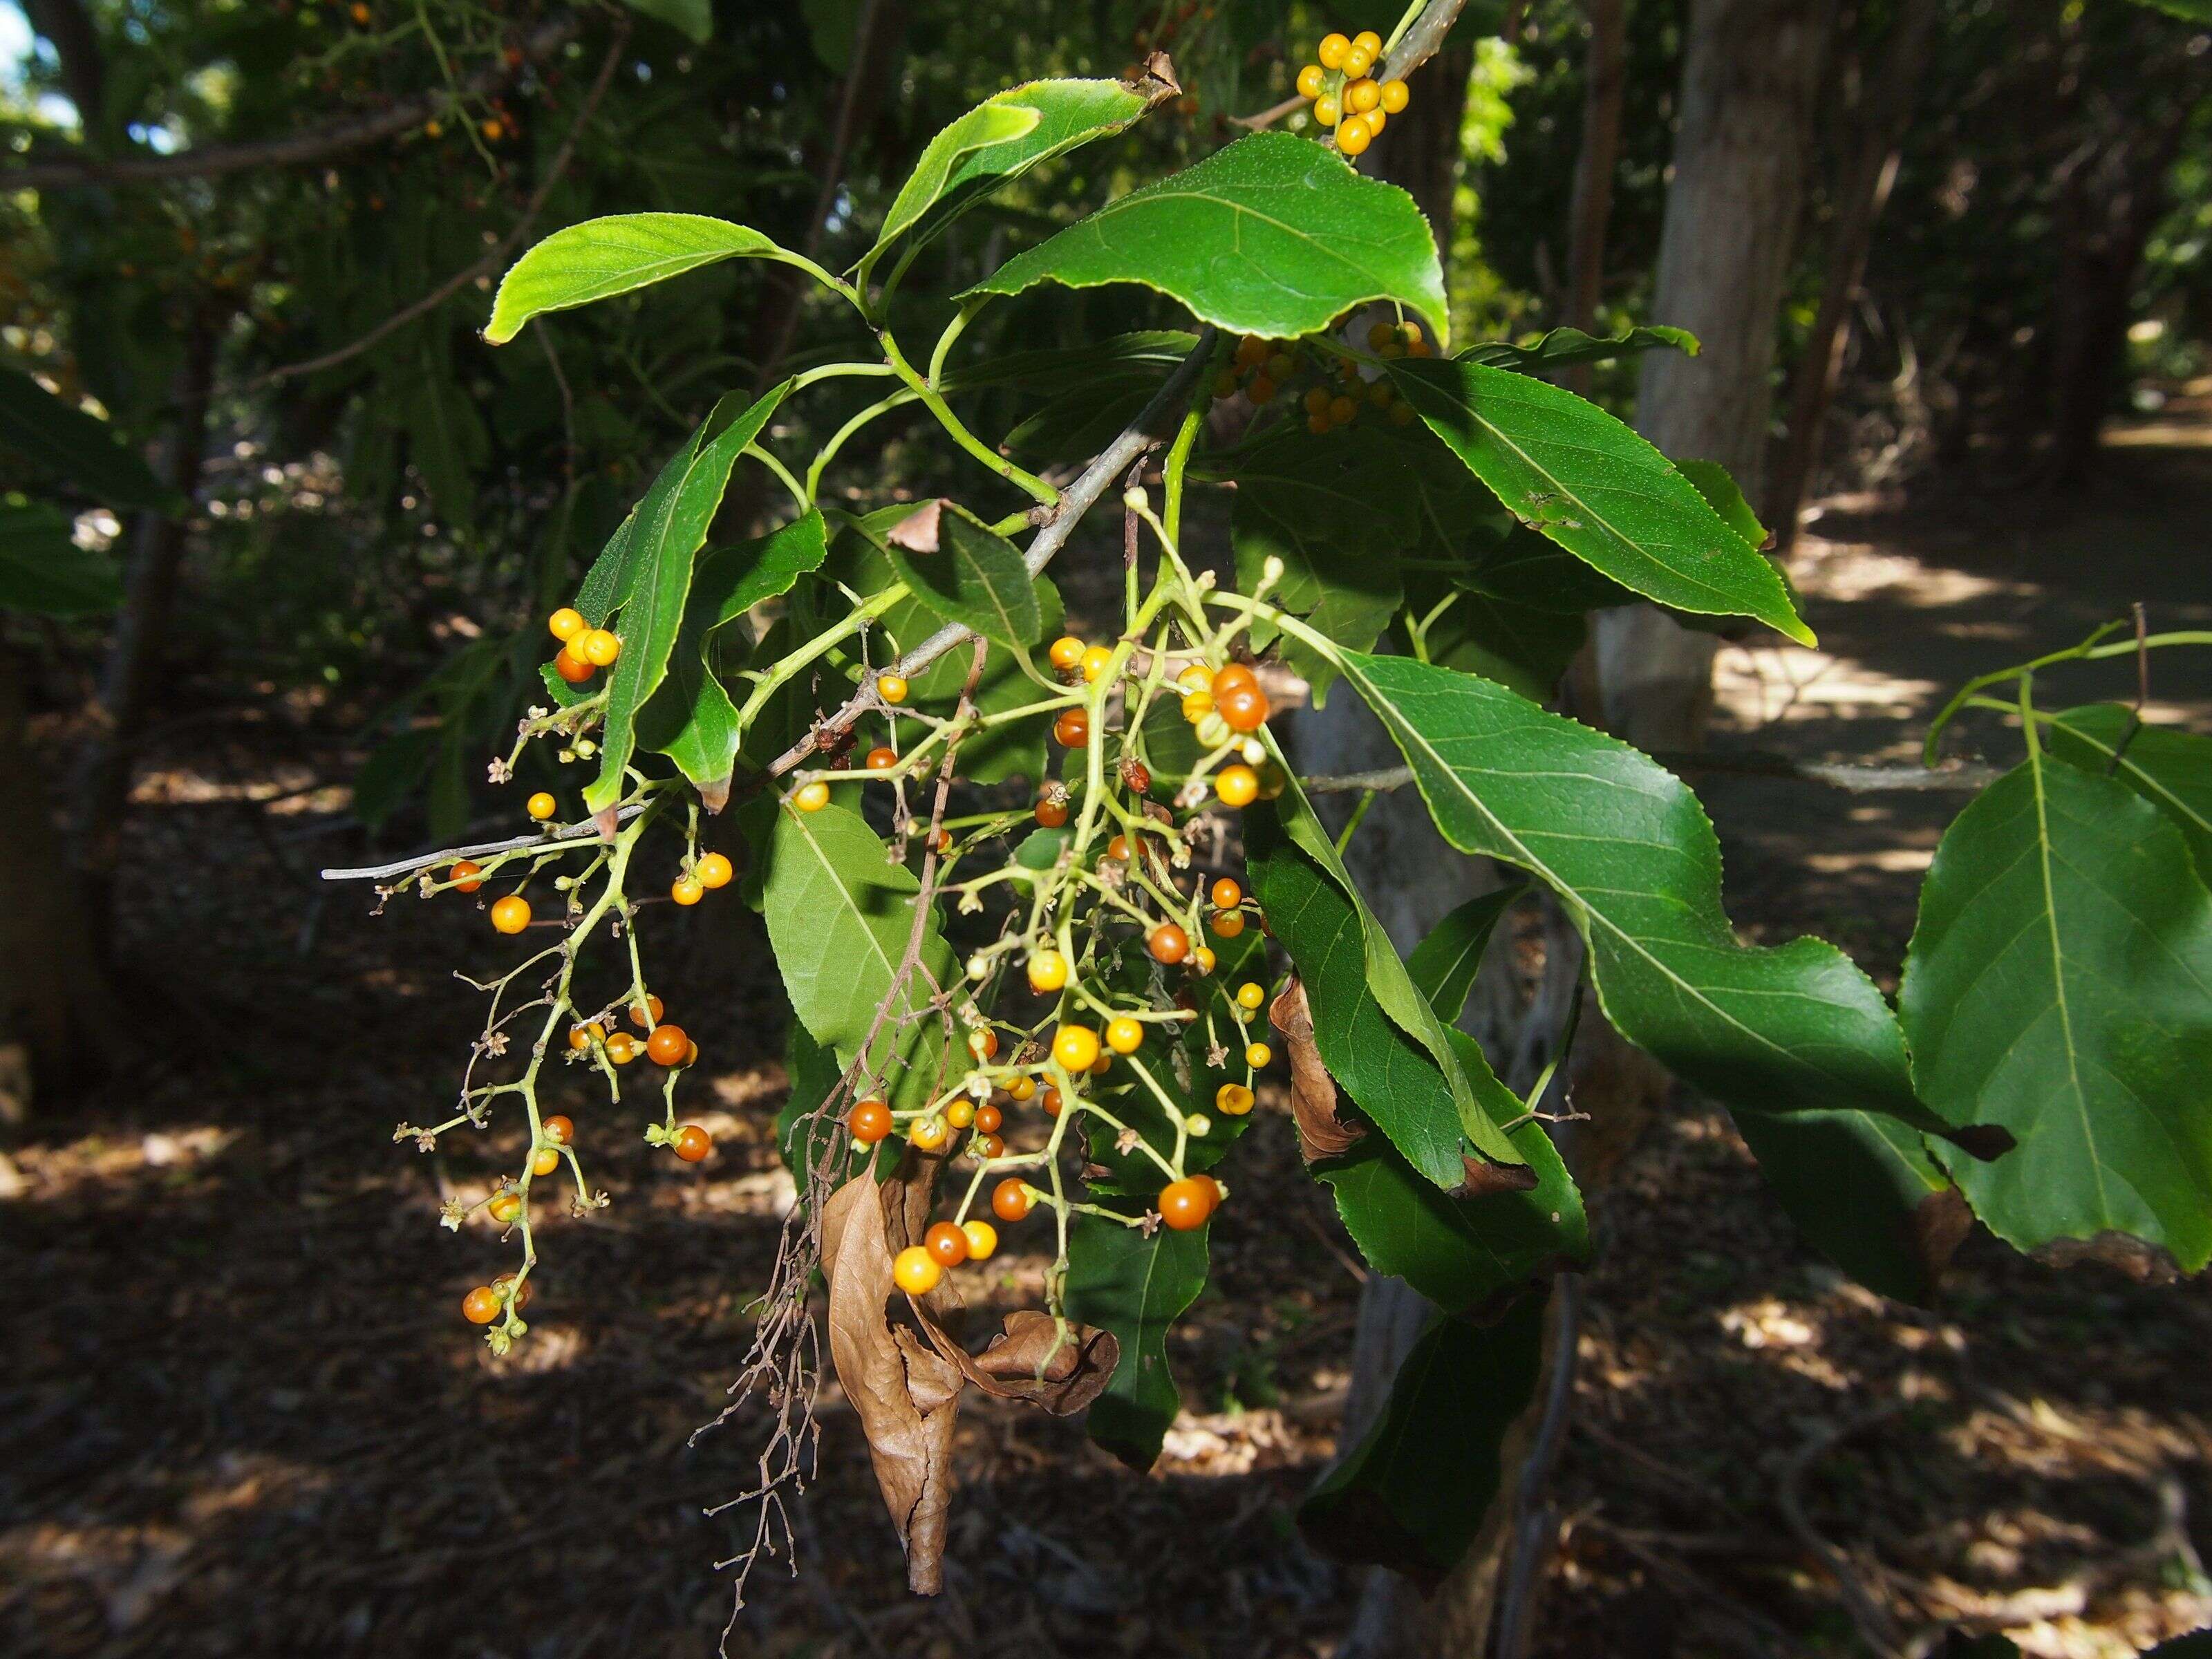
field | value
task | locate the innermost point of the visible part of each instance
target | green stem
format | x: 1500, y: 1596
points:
x: 1031, y: 485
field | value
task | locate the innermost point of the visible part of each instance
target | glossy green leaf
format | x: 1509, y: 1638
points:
x: 1444, y: 963
x: 975, y: 578
x: 1414, y: 1493
x: 1270, y: 235
x: 997, y: 141
x: 839, y: 916
x: 1575, y: 473
x: 1862, y: 1190
x: 694, y: 17
x: 1633, y: 856
x: 2172, y: 769
x: 1565, y: 347
x: 42, y: 569
x: 2059, y: 983
x: 61, y: 440
x: 691, y: 718
x: 1376, y: 1034
x: 601, y: 258
x: 1121, y: 1281
x: 1524, y: 569
x: 656, y: 582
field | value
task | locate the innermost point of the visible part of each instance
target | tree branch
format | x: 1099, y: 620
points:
x: 314, y: 144
x: 408, y: 866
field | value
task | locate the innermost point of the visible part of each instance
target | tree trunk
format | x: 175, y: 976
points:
x: 102, y: 783
x: 1750, y: 72
x: 1861, y: 197
x: 56, y: 1010
x: 1604, y: 80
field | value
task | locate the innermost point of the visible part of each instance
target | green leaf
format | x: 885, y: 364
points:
x: 1861, y: 1188
x: 691, y: 719
x: 975, y: 578
x: 1564, y: 347
x: 1375, y: 1032
x: 839, y: 916
x: 1524, y: 569
x: 1413, y: 1493
x: 1150, y: 354
x: 2171, y: 770
x: 1572, y: 471
x: 1040, y: 848
x: 1121, y: 1281
x: 994, y: 143
x: 1631, y: 854
x: 85, y: 453
x: 2190, y: 11
x: 656, y: 582
x: 42, y: 569
x: 617, y: 254
x: 1725, y: 497
x: 1271, y: 235
x: 694, y: 17
x: 1444, y: 963
x: 2059, y: 983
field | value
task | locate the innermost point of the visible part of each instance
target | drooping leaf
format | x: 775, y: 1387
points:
x: 1725, y: 496
x: 997, y: 141
x: 1631, y: 855
x: 839, y: 915
x: 601, y: 258
x: 1135, y: 1287
x: 1271, y: 235
x: 1378, y: 1036
x: 658, y: 562
x: 1413, y: 1494
x: 1575, y: 473
x: 77, y: 448
x: 1444, y: 963
x: 2170, y: 769
x: 1564, y: 347
x: 1864, y: 1192
x: 694, y: 17
x: 2059, y: 983
x: 975, y: 578
x: 691, y: 719
x: 42, y: 569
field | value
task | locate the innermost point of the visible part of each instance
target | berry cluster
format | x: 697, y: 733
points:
x: 585, y: 649
x: 1344, y: 95
x: 1328, y: 385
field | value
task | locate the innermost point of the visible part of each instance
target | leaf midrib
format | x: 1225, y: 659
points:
x: 2043, y: 860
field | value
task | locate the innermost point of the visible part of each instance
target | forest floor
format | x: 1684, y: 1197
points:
x: 239, y: 1414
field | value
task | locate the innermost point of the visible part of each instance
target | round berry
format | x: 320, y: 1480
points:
x: 1232, y: 1100
x: 987, y: 1120
x: 1237, y: 785
x: 693, y: 1143
x: 1095, y: 662
x: 1102, y: 1064
x: 1395, y: 97
x: 1185, y: 1205
x: 599, y: 647
x: 1197, y: 705
x: 541, y: 806
x: 988, y: 1147
x: 714, y: 870
x: 870, y: 1120
x: 1205, y: 957
x: 1072, y: 729
x: 1118, y: 848
x: 1051, y: 812
x: 1378, y: 336
x: 1168, y: 943
x: 1357, y: 62
x: 545, y: 1161
x: 503, y: 1288
x: 947, y: 1243
x: 1328, y: 111
x: 881, y: 759
x: 1125, y: 1036
x: 505, y: 1207
x: 1333, y: 51
x: 1318, y: 424
x: 1311, y: 79
x: 685, y: 891
x: 1226, y: 893
x: 1136, y: 776
x: 982, y: 1239
x: 811, y: 797
x: 983, y: 1045
x: 580, y: 1036
x: 511, y: 915
x: 646, y: 1015
x: 1258, y: 1056
x: 1226, y: 924
x: 1353, y: 135
x: 1249, y: 996
x: 571, y: 667
x: 668, y: 1045
x: 559, y: 1130
x: 890, y: 688
x: 481, y: 1305
x: 929, y: 1133
x: 467, y: 875
x: 1368, y: 42
x: 960, y: 1113
x: 915, y: 1271
x: 1362, y: 95
x: 1075, y: 1047
x: 1022, y: 1088
x: 1011, y: 1199
x: 1196, y: 678
x: 1262, y: 389
x: 1051, y: 1102
x: 566, y: 623
x: 621, y: 1048
x: 1066, y: 652
x: 1048, y: 972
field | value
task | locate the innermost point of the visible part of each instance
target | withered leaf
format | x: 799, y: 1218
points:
x: 1484, y: 1177
x: 1075, y: 1371
x: 1321, y: 1133
x: 917, y: 532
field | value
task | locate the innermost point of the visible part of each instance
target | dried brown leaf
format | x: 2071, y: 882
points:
x: 917, y: 532
x: 1028, y: 1361
x: 1321, y: 1133
x: 1484, y: 1177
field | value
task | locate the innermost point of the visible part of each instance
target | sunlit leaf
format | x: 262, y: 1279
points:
x: 602, y: 257
x: 2170, y: 769
x: 975, y: 578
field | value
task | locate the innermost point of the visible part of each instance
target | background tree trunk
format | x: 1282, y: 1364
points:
x: 1750, y: 74
x: 1604, y: 79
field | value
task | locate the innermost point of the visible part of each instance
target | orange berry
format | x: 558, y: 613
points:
x: 467, y: 875
x: 480, y: 1306
x: 571, y: 667
x: 1185, y: 1205
x: 1051, y: 1101
x: 541, y: 806
x: 987, y: 1120
x: 1168, y: 943
x: 621, y: 1048
x: 989, y: 1146
x: 947, y: 1244
x: 890, y: 688
x: 915, y: 1271
x: 545, y: 1161
x: 645, y: 1017
x: 1051, y: 812
x: 686, y: 892
x: 1066, y: 652
x: 1226, y: 894
x: 559, y: 1130
x: 1022, y: 1088
x: 1261, y: 389
x: 693, y: 1143
x: 511, y: 915
x: 580, y: 1036
x: 505, y: 1207
x: 1226, y: 924
x: 1011, y: 1199
x: 870, y: 1120
x: 668, y: 1045
x: 983, y: 1045
x: 1072, y: 729
x: 881, y: 759
x: 714, y: 870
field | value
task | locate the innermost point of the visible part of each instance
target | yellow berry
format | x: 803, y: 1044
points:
x: 960, y: 1113
x: 545, y: 1161
x: 1333, y: 51
x: 1327, y: 111
x: 1125, y: 1036
x: 541, y: 806
x: 1075, y: 1047
x: 890, y: 688
x: 1067, y: 652
x: 929, y: 1133
x: 1249, y: 996
x: 1258, y: 1056
x: 1368, y: 42
x: 1232, y: 1099
x: 1316, y: 401
x: 686, y: 890
x: 1353, y: 135
x: 1047, y: 971
x: 1022, y: 1088
x: 1376, y: 121
x: 1095, y: 661
x: 714, y: 871
x: 811, y: 797
x: 1361, y: 96
x: 1311, y: 79
x: 1380, y: 335
x: 511, y: 915
x: 1196, y: 678
x: 565, y: 623
x: 1394, y: 96
x: 915, y: 1271
x: 1237, y: 785
x: 1357, y: 62
x: 599, y: 647
x: 1197, y: 705
x: 1204, y: 956
x: 982, y: 1239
